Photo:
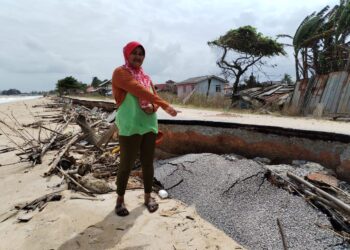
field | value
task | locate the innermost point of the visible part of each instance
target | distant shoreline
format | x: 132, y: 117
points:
x: 16, y: 98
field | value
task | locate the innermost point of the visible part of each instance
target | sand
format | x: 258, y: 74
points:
x: 90, y: 224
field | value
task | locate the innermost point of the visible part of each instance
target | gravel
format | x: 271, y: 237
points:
x: 232, y: 193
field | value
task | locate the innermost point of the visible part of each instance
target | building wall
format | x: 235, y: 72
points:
x: 184, y: 89
x: 202, y: 87
x: 326, y: 94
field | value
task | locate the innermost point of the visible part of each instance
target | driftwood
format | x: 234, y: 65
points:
x: 106, y: 137
x: 340, y: 204
x: 87, y: 130
x: 85, y: 190
x: 53, y: 131
x: 283, y: 235
x: 52, y: 140
x: 91, y: 136
x: 39, y: 203
x: 75, y: 197
x: 53, y: 165
x: 48, y: 116
x: 5, y: 150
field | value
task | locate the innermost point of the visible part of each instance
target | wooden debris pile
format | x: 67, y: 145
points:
x: 323, y: 192
x: 87, y: 158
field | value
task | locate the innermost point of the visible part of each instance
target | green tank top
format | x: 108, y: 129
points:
x: 131, y: 119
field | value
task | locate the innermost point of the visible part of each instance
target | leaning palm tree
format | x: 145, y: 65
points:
x: 306, y: 42
x: 321, y: 41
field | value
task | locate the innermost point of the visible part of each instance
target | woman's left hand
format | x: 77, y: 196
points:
x: 148, y: 109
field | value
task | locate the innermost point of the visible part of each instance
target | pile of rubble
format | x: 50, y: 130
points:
x: 265, y: 98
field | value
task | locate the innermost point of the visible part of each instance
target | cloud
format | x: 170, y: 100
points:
x: 43, y: 40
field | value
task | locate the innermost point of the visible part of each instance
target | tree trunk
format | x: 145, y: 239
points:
x: 305, y: 68
x: 235, y: 88
x: 347, y: 68
x: 297, y: 76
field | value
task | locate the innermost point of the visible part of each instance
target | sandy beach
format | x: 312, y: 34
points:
x: 72, y: 223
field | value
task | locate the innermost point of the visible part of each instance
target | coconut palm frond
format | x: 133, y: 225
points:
x: 284, y: 36
x: 323, y: 11
x: 312, y: 40
x: 343, y: 24
x: 331, y: 14
x: 306, y: 31
x: 304, y: 21
x: 312, y: 28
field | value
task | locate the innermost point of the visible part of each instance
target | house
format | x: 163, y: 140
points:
x: 90, y: 89
x: 105, y: 87
x: 168, y: 86
x: 206, y: 85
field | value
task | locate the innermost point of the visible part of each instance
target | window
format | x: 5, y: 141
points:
x: 218, y: 88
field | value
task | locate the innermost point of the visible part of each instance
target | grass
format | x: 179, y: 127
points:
x: 199, y: 101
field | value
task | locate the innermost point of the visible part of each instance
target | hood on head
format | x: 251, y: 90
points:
x: 129, y: 48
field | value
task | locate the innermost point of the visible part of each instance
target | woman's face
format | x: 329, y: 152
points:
x: 136, y: 57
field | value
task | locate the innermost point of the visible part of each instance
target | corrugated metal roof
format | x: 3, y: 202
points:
x: 200, y: 79
x: 267, y: 95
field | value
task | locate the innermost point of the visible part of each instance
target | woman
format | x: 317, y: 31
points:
x: 136, y: 120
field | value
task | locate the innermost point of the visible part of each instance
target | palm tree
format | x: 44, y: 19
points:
x: 321, y: 41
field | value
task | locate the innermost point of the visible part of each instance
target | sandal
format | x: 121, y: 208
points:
x: 121, y: 210
x: 152, y: 205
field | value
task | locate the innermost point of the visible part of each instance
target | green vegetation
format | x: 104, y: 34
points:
x: 321, y: 42
x: 95, y: 82
x: 287, y: 79
x: 11, y: 92
x: 69, y: 85
x: 243, y: 48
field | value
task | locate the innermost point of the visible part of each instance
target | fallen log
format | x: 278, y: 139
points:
x: 87, y: 130
x: 106, y: 137
x: 345, y: 207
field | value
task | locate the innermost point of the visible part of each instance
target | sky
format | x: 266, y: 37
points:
x: 44, y: 41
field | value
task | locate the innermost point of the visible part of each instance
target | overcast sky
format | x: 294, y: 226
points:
x: 43, y: 41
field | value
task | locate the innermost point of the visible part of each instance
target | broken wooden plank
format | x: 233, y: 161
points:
x: 339, y: 203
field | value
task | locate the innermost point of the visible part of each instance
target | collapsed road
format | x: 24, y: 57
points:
x: 233, y: 193
x: 280, y: 144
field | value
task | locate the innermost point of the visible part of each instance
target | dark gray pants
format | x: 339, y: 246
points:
x: 130, y: 146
